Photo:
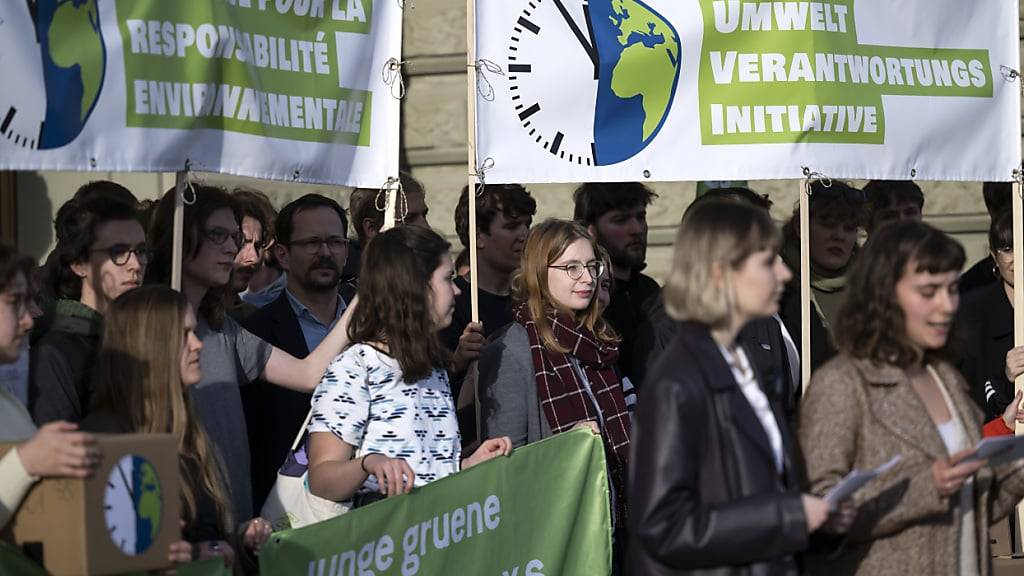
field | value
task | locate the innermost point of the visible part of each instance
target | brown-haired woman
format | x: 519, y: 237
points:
x: 837, y: 214
x: 554, y: 368
x: 383, y: 415
x: 892, y: 392
x: 148, y: 361
x: 233, y: 356
x: 714, y: 481
x: 990, y: 363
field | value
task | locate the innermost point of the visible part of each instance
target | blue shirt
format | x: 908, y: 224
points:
x: 313, y: 330
x: 268, y: 294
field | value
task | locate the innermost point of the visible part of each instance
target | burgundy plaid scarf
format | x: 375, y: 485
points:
x: 563, y: 396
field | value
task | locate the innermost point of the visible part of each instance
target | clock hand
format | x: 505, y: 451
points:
x: 587, y: 46
x: 124, y: 479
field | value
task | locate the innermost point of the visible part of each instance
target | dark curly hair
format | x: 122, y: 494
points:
x: 394, y: 298
x: 871, y: 323
x: 512, y: 200
x: 208, y: 199
x: 75, y: 228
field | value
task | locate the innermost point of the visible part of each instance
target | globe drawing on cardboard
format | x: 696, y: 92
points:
x: 133, y: 504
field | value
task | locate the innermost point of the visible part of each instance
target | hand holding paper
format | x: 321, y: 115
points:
x: 856, y: 480
x: 998, y: 450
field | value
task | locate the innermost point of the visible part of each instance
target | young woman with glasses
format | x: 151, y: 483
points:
x: 232, y: 356
x: 102, y: 253
x: 553, y: 368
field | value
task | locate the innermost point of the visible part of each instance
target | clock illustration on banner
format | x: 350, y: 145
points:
x: 133, y: 503
x: 54, y: 51
x: 592, y: 82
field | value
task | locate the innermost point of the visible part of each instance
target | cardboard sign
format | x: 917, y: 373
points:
x: 121, y: 519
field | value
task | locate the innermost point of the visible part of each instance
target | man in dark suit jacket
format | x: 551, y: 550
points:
x: 312, y: 247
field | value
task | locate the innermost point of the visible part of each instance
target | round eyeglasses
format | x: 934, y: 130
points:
x: 575, y: 269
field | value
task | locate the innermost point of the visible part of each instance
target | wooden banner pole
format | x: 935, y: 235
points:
x: 805, y: 284
x: 179, y: 225
x: 473, y: 177
x: 1018, y: 318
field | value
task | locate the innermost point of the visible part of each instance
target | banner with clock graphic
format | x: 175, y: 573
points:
x: 286, y: 89
x: 669, y: 90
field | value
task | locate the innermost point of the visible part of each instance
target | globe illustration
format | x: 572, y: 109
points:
x: 74, y: 63
x: 133, y: 503
x: 640, y: 60
x: 150, y: 504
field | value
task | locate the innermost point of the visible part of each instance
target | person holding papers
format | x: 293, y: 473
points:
x: 715, y: 484
x: 892, y: 392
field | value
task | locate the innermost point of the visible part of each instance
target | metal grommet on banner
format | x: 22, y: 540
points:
x: 481, y: 174
x: 1011, y: 75
x: 809, y: 174
x: 1018, y: 177
x: 402, y: 4
x: 392, y: 75
x: 483, y: 86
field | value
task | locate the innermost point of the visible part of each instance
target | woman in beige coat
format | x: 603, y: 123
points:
x: 892, y: 392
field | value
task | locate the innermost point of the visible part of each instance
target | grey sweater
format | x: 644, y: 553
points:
x: 508, y: 389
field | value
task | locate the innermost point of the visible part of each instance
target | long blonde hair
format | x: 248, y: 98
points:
x: 545, y: 244
x: 138, y: 377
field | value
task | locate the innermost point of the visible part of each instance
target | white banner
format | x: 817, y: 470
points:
x: 294, y: 90
x: 668, y: 90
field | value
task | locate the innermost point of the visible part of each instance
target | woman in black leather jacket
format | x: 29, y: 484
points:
x: 714, y: 480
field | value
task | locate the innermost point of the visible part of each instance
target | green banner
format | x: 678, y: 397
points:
x: 245, y: 68
x: 543, y: 511
x: 779, y: 72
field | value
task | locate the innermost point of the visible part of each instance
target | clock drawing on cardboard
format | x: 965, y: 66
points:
x: 133, y: 504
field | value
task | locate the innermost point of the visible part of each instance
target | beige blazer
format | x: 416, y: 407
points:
x: 858, y: 414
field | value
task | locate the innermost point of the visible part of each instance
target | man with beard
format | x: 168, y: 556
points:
x: 248, y: 261
x: 312, y: 247
x: 504, y: 213
x: 616, y: 214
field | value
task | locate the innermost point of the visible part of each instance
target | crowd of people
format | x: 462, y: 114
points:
x: 356, y: 359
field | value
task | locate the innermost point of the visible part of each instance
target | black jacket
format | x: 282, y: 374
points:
x: 61, y: 368
x: 626, y: 310
x: 273, y: 414
x: 762, y: 339
x: 979, y: 276
x: 822, y: 349
x: 705, y: 495
x: 986, y: 318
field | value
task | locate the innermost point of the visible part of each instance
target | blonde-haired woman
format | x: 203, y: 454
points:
x: 714, y: 482
x: 553, y: 368
x: 149, y: 357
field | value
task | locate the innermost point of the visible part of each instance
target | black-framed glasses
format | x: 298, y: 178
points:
x: 220, y: 235
x: 312, y: 245
x: 120, y: 253
x: 575, y: 269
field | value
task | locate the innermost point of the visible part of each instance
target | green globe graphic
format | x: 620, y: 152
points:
x: 150, y: 502
x: 74, y: 62
x: 639, y: 61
